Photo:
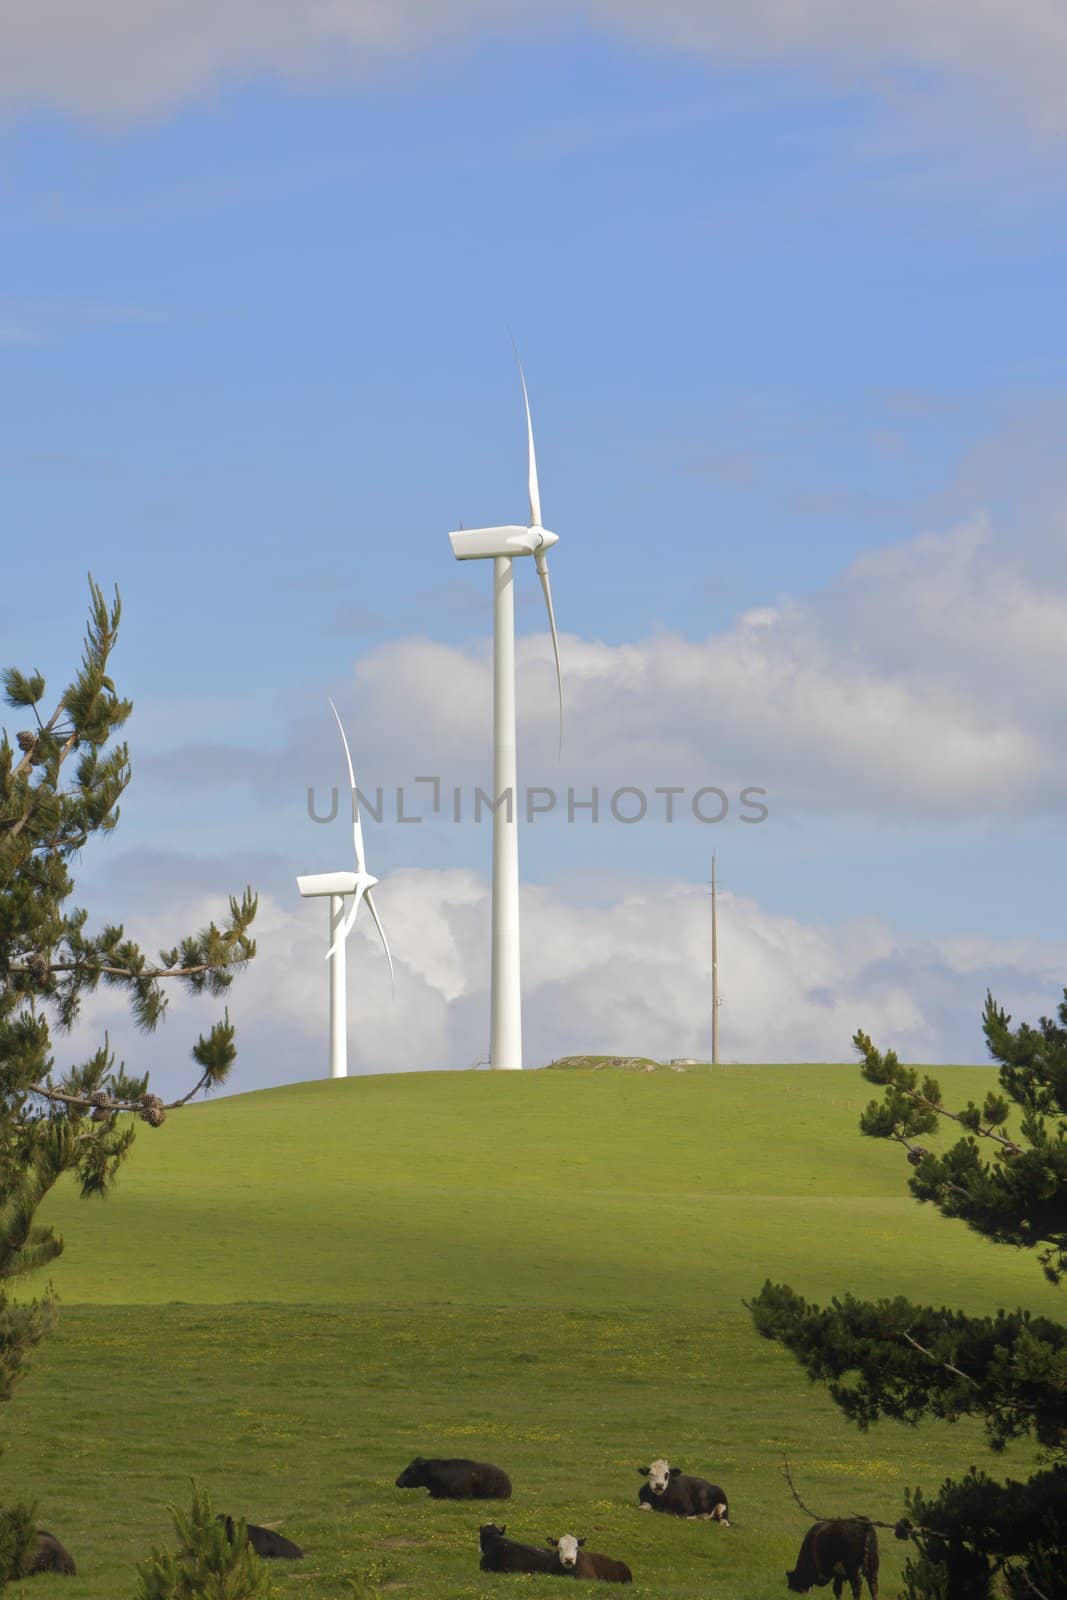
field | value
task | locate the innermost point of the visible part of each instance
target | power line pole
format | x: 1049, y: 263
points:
x: 714, y: 971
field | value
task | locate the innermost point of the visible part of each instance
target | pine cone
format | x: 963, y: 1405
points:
x: 916, y: 1155
x: 37, y: 967
x: 152, y: 1110
x: 26, y: 740
x: 100, y: 1103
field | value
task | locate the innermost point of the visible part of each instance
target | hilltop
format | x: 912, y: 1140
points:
x: 657, y: 1190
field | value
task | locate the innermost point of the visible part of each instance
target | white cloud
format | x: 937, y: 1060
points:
x: 1017, y: 51
x: 922, y: 685
x: 120, y: 59
x: 611, y: 970
x: 925, y: 682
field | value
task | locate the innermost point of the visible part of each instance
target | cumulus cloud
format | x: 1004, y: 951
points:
x: 609, y: 967
x: 120, y: 59
x: 923, y: 683
x: 1015, y: 51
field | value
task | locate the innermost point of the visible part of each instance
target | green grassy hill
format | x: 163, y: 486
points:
x: 293, y: 1292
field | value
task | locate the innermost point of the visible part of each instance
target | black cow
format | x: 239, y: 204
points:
x: 50, y: 1556
x: 264, y: 1541
x: 579, y: 1563
x: 507, y: 1555
x: 456, y: 1479
x: 681, y: 1495
x: 837, y: 1550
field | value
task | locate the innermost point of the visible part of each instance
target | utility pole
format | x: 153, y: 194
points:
x: 714, y: 971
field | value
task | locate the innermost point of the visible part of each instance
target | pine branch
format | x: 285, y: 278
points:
x: 887, y: 1071
x: 29, y: 759
x: 990, y: 1132
x: 71, y: 968
x: 947, y: 1365
x: 916, y: 1152
x: 64, y: 750
x: 109, y: 1103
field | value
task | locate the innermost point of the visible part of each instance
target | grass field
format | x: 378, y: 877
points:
x: 293, y: 1292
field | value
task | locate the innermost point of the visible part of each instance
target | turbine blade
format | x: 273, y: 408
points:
x: 346, y: 927
x: 357, y: 826
x: 541, y: 562
x: 535, y: 494
x: 372, y: 908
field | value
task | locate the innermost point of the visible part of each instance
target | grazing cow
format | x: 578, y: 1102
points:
x: 835, y: 1551
x: 50, y: 1556
x: 581, y: 1563
x: 456, y: 1479
x: 507, y: 1555
x: 681, y: 1495
x: 264, y: 1541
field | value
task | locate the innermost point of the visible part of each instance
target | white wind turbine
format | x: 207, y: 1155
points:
x: 501, y: 546
x: 337, y: 885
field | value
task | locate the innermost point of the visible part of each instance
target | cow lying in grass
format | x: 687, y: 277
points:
x: 264, y: 1541
x: 581, y: 1563
x: 50, y: 1556
x: 681, y: 1495
x: 834, y: 1551
x: 456, y: 1479
x: 507, y: 1555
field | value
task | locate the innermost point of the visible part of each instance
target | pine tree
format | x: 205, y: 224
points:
x: 1005, y: 1178
x: 206, y: 1564
x: 18, y: 1542
x: 60, y: 784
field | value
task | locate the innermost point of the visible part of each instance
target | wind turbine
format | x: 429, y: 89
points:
x: 502, y: 545
x: 337, y: 885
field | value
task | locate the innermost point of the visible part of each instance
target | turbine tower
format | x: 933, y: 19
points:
x: 336, y: 886
x: 501, y: 546
x: 715, y: 1002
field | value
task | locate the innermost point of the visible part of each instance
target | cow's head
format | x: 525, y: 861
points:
x: 567, y: 1549
x: 489, y: 1531
x: 659, y: 1475
x: 413, y: 1476
x: 793, y: 1579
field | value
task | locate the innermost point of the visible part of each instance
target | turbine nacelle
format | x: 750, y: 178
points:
x: 342, y: 883
x: 475, y: 544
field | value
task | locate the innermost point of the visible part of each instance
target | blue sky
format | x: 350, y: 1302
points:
x: 793, y: 327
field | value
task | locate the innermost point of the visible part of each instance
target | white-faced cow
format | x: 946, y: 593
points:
x: 264, y: 1541
x: 833, y: 1551
x: 680, y: 1494
x: 580, y: 1563
x: 452, y: 1478
x: 50, y: 1556
x: 508, y: 1555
